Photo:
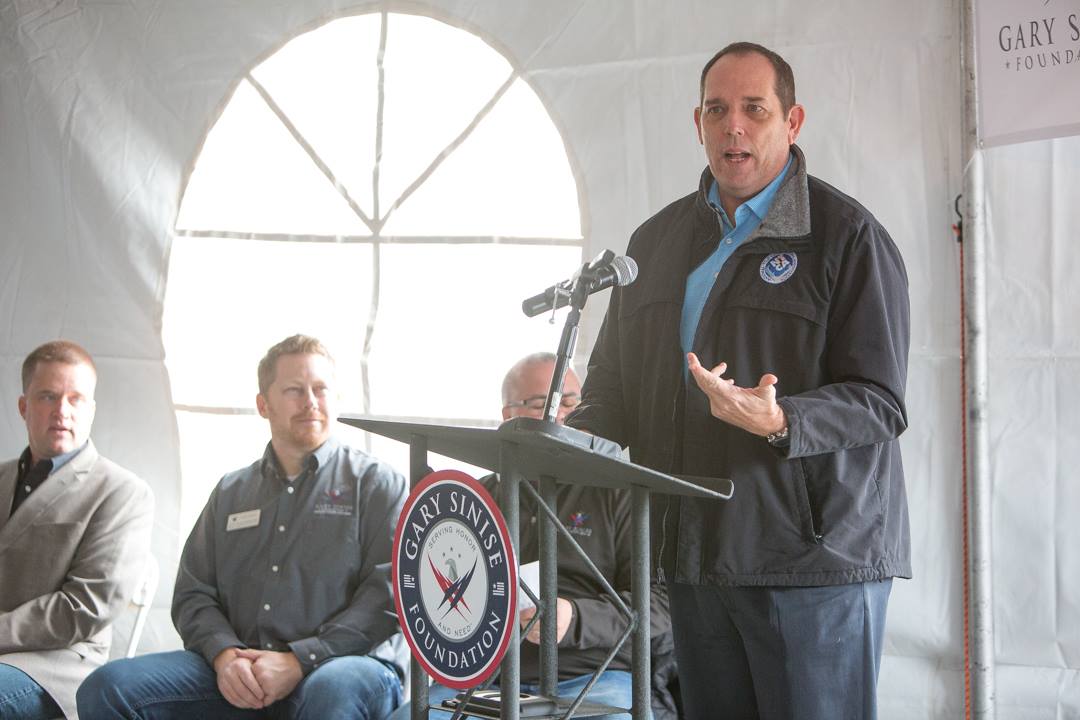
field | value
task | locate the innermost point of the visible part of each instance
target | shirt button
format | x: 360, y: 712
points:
x: 729, y: 241
x: 290, y: 489
x: 281, y: 528
x: 27, y: 488
x: 266, y: 606
x: 273, y: 568
x: 312, y: 656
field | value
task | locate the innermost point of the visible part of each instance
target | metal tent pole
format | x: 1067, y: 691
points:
x: 418, y: 677
x: 976, y: 369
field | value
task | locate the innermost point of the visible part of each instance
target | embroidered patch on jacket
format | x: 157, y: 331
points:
x: 778, y: 267
x: 334, y: 502
x: 577, y: 524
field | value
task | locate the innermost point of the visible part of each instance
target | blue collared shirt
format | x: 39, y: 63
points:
x: 61, y: 460
x: 747, y: 218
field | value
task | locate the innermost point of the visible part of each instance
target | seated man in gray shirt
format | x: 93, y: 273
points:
x: 283, y: 590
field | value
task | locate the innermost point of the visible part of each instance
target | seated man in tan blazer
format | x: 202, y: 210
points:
x: 74, y: 531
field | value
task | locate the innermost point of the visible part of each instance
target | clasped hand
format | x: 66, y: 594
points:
x: 255, y: 679
x: 752, y: 409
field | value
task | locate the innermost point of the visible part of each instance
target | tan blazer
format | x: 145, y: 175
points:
x: 70, y: 558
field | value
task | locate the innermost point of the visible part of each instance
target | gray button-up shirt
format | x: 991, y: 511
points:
x: 301, y: 565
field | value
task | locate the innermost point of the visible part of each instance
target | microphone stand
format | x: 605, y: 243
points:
x: 579, y: 293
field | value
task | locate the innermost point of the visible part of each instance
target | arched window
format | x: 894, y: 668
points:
x: 385, y: 182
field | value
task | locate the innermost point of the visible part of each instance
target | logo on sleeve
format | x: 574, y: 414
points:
x: 778, y: 267
x: 455, y: 579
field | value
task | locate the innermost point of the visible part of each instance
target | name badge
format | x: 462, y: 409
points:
x: 241, y: 520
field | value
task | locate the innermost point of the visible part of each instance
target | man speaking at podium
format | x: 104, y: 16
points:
x: 796, y: 298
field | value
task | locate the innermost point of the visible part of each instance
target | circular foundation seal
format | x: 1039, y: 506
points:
x: 455, y: 579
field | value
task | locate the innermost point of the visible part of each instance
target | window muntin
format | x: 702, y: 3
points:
x: 391, y: 185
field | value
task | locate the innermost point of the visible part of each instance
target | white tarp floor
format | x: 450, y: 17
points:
x: 104, y: 107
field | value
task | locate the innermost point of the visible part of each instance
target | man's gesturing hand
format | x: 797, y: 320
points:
x: 752, y: 409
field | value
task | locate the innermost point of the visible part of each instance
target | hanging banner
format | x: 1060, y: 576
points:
x: 1029, y: 69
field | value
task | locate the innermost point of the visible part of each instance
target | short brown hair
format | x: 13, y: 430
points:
x: 784, y: 87
x: 292, y: 345
x: 60, y: 351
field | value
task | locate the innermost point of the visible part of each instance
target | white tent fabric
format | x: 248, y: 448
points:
x: 104, y: 105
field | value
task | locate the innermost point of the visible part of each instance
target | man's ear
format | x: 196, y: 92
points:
x: 260, y: 404
x: 506, y: 414
x: 22, y: 406
x: 796, y: 118
x: 697, y: 124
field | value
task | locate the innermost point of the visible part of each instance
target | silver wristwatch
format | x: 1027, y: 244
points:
x: 778, y: 437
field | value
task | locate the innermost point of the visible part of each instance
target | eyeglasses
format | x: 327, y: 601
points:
x: 536, y: 402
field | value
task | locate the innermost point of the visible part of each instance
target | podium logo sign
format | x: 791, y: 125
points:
x: 455, y: 579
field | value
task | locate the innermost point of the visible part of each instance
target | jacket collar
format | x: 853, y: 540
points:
x: 52, y: 489
x: 789, y: 216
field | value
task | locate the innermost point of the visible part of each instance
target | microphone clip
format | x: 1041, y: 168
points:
x: 560, y: 291
x: 583, y: 280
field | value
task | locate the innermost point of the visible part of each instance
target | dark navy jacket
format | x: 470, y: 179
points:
x: 830, y: 508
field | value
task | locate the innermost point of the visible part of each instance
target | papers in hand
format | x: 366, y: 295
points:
x: 529, y: 574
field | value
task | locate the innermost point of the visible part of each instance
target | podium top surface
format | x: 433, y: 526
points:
x: 544, y: 449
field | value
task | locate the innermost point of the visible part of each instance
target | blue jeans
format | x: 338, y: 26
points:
x: 23, y: 699
x: 181, y: 685
x: 612, y: 688
x: 779, y: 653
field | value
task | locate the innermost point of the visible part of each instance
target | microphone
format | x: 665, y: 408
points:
x: 603, y: 272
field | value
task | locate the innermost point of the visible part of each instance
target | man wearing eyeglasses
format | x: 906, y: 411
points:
x: 588, y: 624
x: 525, y: 388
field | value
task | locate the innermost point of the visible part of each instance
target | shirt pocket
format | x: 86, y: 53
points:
x: 787, y: 303
x: 330, y: 533
x: 329, y: 556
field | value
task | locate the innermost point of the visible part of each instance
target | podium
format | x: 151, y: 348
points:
x: 529, y: 449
